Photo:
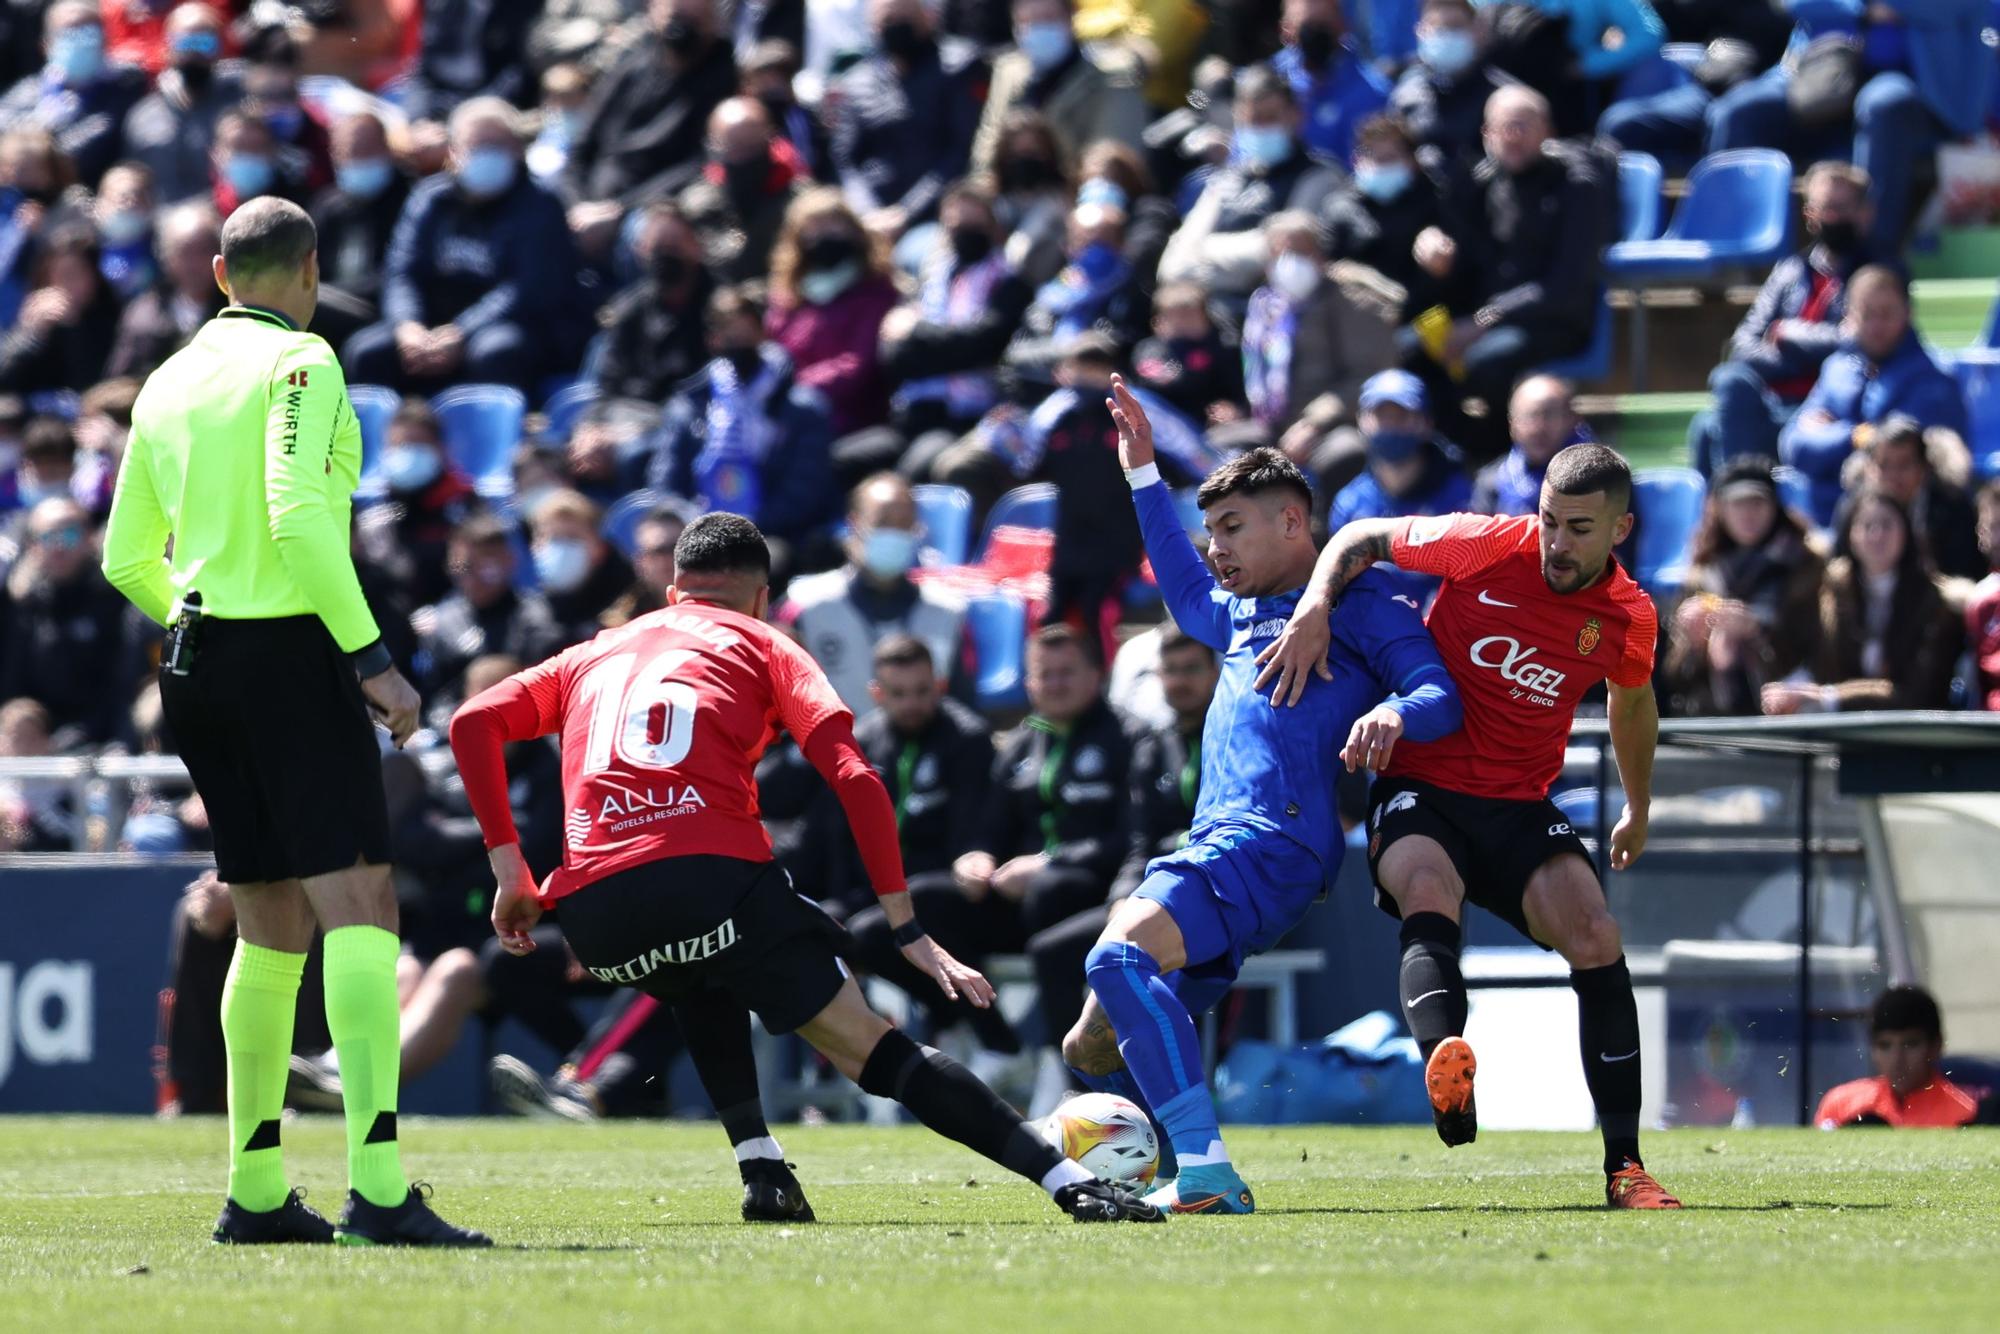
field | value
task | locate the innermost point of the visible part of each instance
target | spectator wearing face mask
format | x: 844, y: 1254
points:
x: 427, y: 498
x: 159, y: 321
x: 1791, y: 329
x: 654, y: 336
x: 303, y: 151
x: 1187, y: 361
x: 840, y: 615
x: 1442, y: 96
x: 904, y: 117
x: 830, y: 290
x: 652, y: 563
x: 61, y: 626
x: 1096, y: 292
x: 66, y: 325
x: 172, y: 128
x: 1899, y: 458
x: 1087, y: 93
x: 743, y: 434
x: 750, y: 180
x: 580, y: 574
x: 47, y: 468
x: 79, y: 95
x: 565, y: 89
x: 1541, y: 416
x: 244, y: 163
x: 1334, y: 87
x: 124, y: 218
x: 481, y: 282
x: 1410, y: 472
x: 356, y: 217
x: 1221, y: 244
x: 469, y: 48
x: 1031, y: 173
x: 769, y: 69
x: 482, y: 614
x: 1389, y: 198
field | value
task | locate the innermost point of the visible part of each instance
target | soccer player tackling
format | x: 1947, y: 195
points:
x: 1533, y: 612
x: 1266, y: 838
x: 667, y: 882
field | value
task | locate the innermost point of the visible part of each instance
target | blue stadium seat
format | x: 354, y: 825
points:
x: 1668, y: 503
x: 998, y: 624
x: 1639, y: 181
x: 373, y: 406
x: 1593, y: 362
x: 566, y: 405
x: 1687, y: 55
x: 1188, y: 505
x: 621, y: 522
x: 481, y: 425
x: 1992, y: 335
x: 1737, y: 213
x: 1978, y: 372
x: 1030, y: 506
x: 946, y: 514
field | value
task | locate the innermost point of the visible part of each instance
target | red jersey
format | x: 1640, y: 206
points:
x: 662, y: 722
x: 1939, y: 1104
x: 1521, y: 654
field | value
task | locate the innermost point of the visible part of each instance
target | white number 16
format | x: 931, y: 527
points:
x: 649, y: 723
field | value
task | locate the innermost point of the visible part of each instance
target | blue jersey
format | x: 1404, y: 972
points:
x: 1275, y: 770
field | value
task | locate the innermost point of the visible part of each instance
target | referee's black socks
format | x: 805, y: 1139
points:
x: 948, y: 1098
x: 1608, y: 1028
x: 1433, y: 989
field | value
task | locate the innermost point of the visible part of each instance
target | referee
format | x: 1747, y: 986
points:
x: 230, y: 527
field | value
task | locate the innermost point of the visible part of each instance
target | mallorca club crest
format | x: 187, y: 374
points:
x: 1588, y: 638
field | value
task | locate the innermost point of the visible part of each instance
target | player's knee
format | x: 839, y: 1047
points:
x: 1092, y: 1047
x: 1110, y: 957
x: 1593, y: 940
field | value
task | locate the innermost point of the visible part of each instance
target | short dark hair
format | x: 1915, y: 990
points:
x: 478, y: 530
x: 1173, y: 639
x: 722, y: 543
x: 903, y: 650
x: 727, y: 303
x: 1258, y: 472
x: 1385, y: 125
x: 267, y: 235
x: 49, y: 436
x: 1260, y: 81
x: 1060, y: 635
x: 416, y: 413
x: 1900, y: 1009
x: 1877, y: 275
x: 1588, y: 468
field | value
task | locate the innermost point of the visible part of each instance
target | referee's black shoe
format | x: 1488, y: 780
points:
x: 771, y: 1194
x: 410, y: 1223
x: 1101, y: 1202
x: 292, y: 1221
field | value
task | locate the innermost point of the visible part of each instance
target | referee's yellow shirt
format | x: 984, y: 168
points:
x: 245, y: 451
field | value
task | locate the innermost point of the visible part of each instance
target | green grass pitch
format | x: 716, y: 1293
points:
x: 104, y: 1225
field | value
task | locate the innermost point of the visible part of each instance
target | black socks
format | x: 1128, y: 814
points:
x: 1433, y: 989
x: 945, y: 1096
x: 1608, y: 1027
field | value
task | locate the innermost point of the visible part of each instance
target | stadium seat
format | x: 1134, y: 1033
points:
x: 566, y: 405
x: 998, y: 624
x: 1737, y: 213
x: 621, y: 522
x: 1978, y: 372
x: 1639, y: 182
x: 1687, y: 55
x: 1030, y: 506
x: 1991, y: 338
x: 1593, y: 362
x: 373, y: 406
x: 946, y: 514
x: 482, y: 424
x: 1188, y: 505
x: 1668, y: 503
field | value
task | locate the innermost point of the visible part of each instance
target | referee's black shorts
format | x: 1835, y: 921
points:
x: 672, y: 926
x: 274, y: 730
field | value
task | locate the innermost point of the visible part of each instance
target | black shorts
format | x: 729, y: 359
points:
x: 274, y: 730
x: 680, y: 924
x: 1494, y: 844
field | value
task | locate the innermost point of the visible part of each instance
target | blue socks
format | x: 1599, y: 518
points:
x: 1162, y: 1053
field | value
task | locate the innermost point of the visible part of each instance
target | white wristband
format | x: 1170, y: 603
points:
x: 1142, y: 476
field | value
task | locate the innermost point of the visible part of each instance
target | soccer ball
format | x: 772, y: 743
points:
x: 1109, y: 1135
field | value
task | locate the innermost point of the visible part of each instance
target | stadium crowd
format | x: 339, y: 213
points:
x: 859, y: 269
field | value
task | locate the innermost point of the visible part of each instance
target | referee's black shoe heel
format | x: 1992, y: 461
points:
x: 771, y: 1194
x: 294, y: 1221
x: 410, y: 1223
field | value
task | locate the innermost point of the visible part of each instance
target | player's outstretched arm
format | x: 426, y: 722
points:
x: 1301, y: 648
x: 1634, y: 718
x: 1186, y: 585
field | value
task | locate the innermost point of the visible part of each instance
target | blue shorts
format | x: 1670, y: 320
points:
x: 1234, y: 893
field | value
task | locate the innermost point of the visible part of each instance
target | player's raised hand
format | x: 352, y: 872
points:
x: 1372, y: 739
x: 1297, y: 652
x: 954, y: 979
x: 515, y: 908
x: 1135, y: 432
x: 1628, y: 839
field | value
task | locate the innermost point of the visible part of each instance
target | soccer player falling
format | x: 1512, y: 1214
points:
x: 1534, y: 611
x: 1266, y: 837
x: 667, y: 882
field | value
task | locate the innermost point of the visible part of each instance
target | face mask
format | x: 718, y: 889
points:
x: 1098, y: 190
x: 669, y: 269
x: 681, y: 36
x: 285, y: 122
x: 1294, y: 275
x: 1316, y: 44
x: 745, y: 179
x: 487, y: 172
x: 365, y: 177
x: 78, y: 53
x: 827, y: 252
x: 777, y: 104
x: 562, y: 564
x: 888, y: 553
x: 35, y: 492
x: 1263, y: 145
x: 744, y: 361
x: 969, y: 245
x: 1449, y: 52
x: 822, y: 286
x: 1842, y: 238
x: 1045, y: 44
x: 191, y: 47
x: 902, y: 40
x: 1382, y: 181
x: 1394, y: 446
x: 249, y: 175
x: 1026, y: 173
x: 123, y: 228
x: 409, y: 468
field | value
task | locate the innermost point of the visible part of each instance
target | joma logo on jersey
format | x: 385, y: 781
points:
x: 1507, y: 656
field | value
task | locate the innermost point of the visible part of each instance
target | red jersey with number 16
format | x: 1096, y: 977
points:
x: 1522, y: 654
x: 663, y: 721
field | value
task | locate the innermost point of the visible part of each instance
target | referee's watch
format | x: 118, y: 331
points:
x: 372, y: 661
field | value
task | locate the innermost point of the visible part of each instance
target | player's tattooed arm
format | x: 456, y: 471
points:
x: 1352, y: 550
x: 1300, y: 650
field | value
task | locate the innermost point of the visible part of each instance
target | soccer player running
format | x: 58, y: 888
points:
x: 1266, y: 838
x: 1534, y: 611
x: 667, y: 882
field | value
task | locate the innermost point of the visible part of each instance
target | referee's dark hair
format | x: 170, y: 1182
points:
x: 267, y: 235
x: 1586, y: 469
x: 722, y: 543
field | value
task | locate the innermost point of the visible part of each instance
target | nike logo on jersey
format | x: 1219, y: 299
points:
x: 1419, y: 1000
x: 1609, y: 1059
x: 1492, y: 601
